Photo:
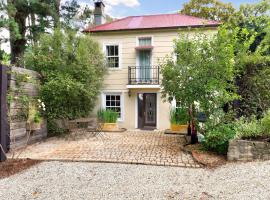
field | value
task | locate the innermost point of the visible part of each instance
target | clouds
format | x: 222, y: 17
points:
x: 128, y: 3
x: 115, y: 8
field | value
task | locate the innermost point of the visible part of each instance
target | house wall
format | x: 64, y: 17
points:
x: 117, y: 79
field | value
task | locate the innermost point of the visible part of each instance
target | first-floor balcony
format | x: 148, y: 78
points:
x: 143, y: 75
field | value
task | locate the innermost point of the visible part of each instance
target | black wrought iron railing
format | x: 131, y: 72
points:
x: 143, y: 75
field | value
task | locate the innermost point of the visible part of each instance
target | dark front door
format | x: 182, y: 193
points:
x: 147, y: 111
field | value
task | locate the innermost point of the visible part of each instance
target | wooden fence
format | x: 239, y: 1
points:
x: 19, y: 135
x: 4, y: 125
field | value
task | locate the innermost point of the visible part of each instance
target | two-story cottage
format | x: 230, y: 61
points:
x: 134, y: 47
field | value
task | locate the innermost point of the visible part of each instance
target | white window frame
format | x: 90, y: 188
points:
x: 103, y: 97
x: 144, y: 36
x: 105, y: 44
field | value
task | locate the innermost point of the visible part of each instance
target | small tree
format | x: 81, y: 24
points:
x: 203, y: 74
x: 72, y: 69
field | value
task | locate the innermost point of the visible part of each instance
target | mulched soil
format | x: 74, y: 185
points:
x: 206, y: 158
x: 14, y: 166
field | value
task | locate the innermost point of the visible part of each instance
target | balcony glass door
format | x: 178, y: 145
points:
x: 144, y: 66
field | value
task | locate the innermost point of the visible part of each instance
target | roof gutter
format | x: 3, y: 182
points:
x: 175, y: 27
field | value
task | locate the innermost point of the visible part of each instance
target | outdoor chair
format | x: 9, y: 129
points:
x: 85, y: 129
x: 96, y: 130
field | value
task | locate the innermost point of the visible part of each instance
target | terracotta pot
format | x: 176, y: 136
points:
x: 179, y: 128
x: 110, y: 127
x: 33, y: 126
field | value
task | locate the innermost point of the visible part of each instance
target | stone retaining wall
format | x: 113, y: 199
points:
x: 244, y: 150
x: 18, y: 132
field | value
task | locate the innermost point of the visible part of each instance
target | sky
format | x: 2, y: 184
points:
x: 123, y: 8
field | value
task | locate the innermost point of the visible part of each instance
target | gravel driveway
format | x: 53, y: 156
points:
x: 60, y: 180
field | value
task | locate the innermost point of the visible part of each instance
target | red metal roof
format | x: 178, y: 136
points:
x: 153, y: 22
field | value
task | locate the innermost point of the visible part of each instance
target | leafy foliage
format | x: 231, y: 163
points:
x: 179, y: 116
x: 251, y: 45
x: 203, y: 73
x: 217, y: 138
x: 254, y: 18
x: 107, y: 116
x: 266, y: 123
x: 208, y: 9
x: 248, y: 129
x: 253, y: 128
x: 72, y: 70
x: 253, y: 82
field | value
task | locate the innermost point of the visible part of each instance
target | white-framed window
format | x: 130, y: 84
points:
x: 115, y: 102
x: 145, y: 41
x: 112, y: 52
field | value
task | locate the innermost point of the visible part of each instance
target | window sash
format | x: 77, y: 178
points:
x: 112, y: 56
x: 145, y: 41
x: 113, y: 102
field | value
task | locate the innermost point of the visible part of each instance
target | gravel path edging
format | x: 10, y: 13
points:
x: 122, y: 162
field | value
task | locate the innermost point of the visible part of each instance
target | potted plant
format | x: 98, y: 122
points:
x: 109, y: 120
x: 179, y: 120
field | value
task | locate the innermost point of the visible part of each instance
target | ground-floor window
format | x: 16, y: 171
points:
x: 114, y: 102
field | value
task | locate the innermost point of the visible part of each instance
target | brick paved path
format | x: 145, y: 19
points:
x: 136, y: 147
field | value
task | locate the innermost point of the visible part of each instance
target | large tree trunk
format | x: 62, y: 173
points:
x: 17, y: 36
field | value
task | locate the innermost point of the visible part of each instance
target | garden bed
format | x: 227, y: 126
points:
x: 248, y: 150
x: 14, y: 166
x: 206, y: 158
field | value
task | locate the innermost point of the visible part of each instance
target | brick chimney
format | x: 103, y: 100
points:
x: 99, y: 13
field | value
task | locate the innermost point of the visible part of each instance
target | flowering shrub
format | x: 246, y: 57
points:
x: 36, y: 111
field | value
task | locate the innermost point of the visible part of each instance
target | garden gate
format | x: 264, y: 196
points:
x: 4, y: 125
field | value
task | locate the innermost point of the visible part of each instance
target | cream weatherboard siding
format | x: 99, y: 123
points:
x: 116, y: 80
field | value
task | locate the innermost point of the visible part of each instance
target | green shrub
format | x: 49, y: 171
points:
x: 249, y: 129
x: 66, y: 98
x: 179, y: 116
x: 217, y: 138
x: 107, y: 116
x: 266, y: 123
x: 72, y: 71
x: 253, y: 128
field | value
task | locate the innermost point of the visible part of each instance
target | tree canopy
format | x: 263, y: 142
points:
x: 25, y: 20
x: 208, y: 9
